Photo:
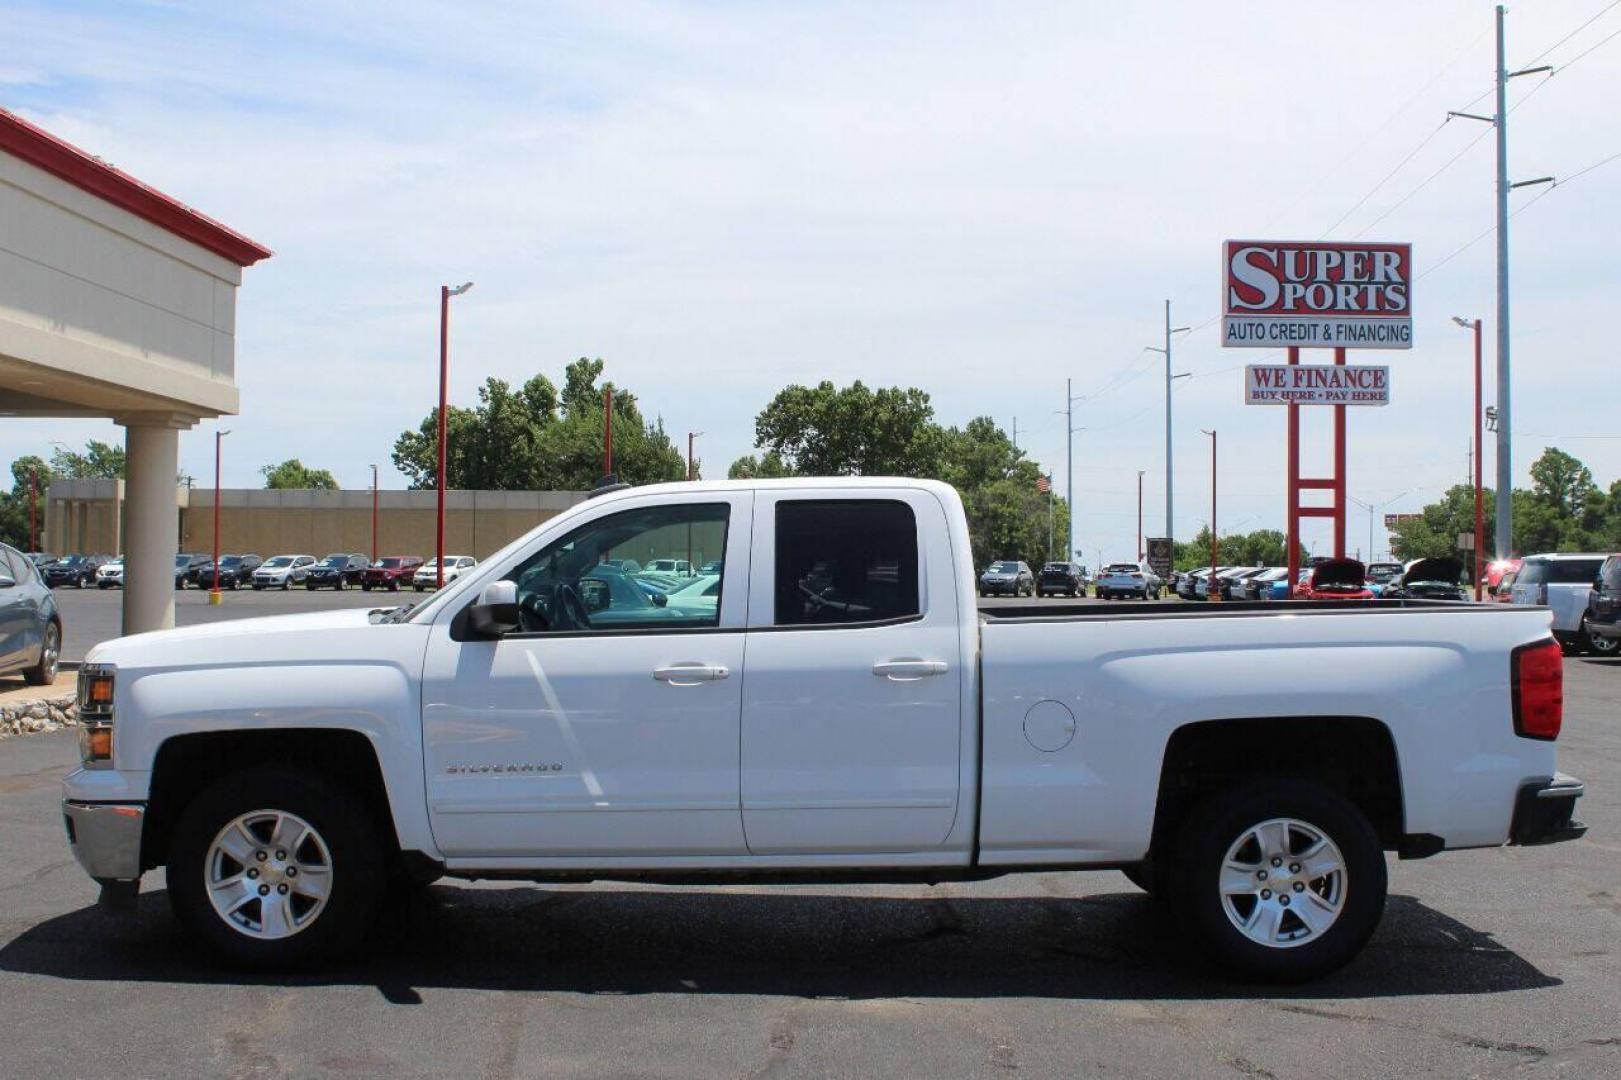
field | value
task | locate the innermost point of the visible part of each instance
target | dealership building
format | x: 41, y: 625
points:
x: 116, y: 301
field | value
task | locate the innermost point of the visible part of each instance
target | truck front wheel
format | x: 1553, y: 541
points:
x: 276, y: 868
x: 1281, y: 881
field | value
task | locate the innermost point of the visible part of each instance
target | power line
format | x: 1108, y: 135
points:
x: 1601, y: 13
x: 1399, y: 203
x: 1600, y: 43
x: 1386, y: 178
x: 1539, y: 196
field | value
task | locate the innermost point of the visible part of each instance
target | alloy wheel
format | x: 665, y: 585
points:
x: 1283, y: 883
x: 268, y: 874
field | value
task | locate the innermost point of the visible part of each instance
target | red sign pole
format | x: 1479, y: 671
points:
x: 1294, y: 484
x: 1339, y: 471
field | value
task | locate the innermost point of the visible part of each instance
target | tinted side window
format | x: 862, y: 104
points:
x: 1532, y: 572
x: 1573, y: 571
x: 13, y: 564
x: 845, y: 561
x: 579, y: 583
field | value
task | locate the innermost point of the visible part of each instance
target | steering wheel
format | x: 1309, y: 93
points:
x: 567, y: 603
x: 532, y: 618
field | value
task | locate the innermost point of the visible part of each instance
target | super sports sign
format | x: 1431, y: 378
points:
x: 1277, y: 294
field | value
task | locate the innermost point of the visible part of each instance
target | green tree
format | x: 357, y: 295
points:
x: 856, y: 431
x: 30, y: 480
x: 293, y: 473
x: 99, y: 461
x: 768, y: 466
x: 534, y: 438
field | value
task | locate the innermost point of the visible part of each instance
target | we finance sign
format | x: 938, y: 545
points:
x: 1278, y: 294
x: 1316, y: 384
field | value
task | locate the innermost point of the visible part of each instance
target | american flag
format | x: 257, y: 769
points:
x: 1044, y: 484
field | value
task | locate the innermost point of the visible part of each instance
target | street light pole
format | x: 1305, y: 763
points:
x: 33, y: 499
x: 1372, y: 509
x: 214, y: 593
x: 1170, y: 524
x: 445, y: 293
x: 1480, y: 517
x: 1215, y: 589
x: 692, y: 470
x: 374, y: 515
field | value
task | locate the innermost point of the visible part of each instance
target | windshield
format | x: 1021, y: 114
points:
x: 335, y: 560
x: 1003, y: 568
x: 278, y: 561
x: 1056, y: 568
x: 1121, y: 568
x: 182, y: 561
x: 1383, y: 571
x: 73, y: 560
x: 390, y: 563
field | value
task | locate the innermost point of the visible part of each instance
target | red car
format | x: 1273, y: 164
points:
x: 390, y: 572
x: 1336, y: 579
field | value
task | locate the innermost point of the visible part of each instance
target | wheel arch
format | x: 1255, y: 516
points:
x: 187, y: 764
x: 1353, y: 755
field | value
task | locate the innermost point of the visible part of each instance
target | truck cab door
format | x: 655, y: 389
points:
x: 606, y: 724
x: 852, y: 700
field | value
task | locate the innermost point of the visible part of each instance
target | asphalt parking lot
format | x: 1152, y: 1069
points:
x: 1488, y: 963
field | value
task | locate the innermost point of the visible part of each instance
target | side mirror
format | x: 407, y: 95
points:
x: 496, y: 613
x: 659, y: 599
x: 7, y: 582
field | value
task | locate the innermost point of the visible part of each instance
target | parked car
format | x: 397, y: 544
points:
x: 1232, y: 581
x: 1187, y: 585
x: 1563, y: 583
x: 1602, y: 626
x: 390, y: 572
x: 427, y: 575
x: 1127, y: 580
x: 75, y: 570
x: 235, y: 571
x: 110, y: 575
x: 1060, y: 578
x: 713, y: 566
x: 846, y: 710
x: 183, y: 564
x: 1259, y: 586
x: 697, y: 597
x: 1497, y: 569
x: 1335, y: 579
x: 674, y: 567
x: 337, y: 572
x: 30, y: 625
x: 282, y: 571
x: 1379, y: 574
x: 1201, y: 587
x: 1428, y: 579
x: 40, y: 559
x: 1503, y: 591
x: 1006, y: 578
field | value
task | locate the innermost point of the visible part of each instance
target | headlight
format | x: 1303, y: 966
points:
x: 95, y: 699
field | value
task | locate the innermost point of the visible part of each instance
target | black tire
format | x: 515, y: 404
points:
x: 339, y: 585
x: 43, y: 673
x: 1210, y: 829
x: 1145, y: 876
x: 365, y: 586
x: 309, y: 586
x: 1598, y: 645
x: 393, y: 586
x: 286, y: 583
x: 344, y: 822
x: 417, y: 587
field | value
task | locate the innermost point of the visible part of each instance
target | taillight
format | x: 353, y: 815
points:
x: 1538, y: 681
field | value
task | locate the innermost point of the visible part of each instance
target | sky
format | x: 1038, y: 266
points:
x: 982, y: 200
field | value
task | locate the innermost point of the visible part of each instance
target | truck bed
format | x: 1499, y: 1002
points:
x: 1092, y: 610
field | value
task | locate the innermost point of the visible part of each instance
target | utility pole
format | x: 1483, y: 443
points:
x: 1069, y: 463
x: 1015, y: 433
x: 1139, y: 515
x: 1170, y: 525
x: 374, y: 515
x: 214, y: 592
x: 692, y: 465
x: 1215, y: 589
x: 1505, y: 428
x: 445, y: 293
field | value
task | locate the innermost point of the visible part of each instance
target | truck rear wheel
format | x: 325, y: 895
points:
x: 276, y: 868
x: 1280, y: 881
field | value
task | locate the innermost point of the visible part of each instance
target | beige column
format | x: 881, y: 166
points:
x: 151, y: 519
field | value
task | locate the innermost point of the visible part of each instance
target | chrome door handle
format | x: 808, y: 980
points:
x: 691, y: 674
x: 909, y: 669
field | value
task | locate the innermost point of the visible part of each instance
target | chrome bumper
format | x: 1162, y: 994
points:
x: 106, y: 838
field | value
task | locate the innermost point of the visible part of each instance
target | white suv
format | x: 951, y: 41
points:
x: 110, y: 575
x: 1563, y: 583
x: 282, y: 571
x: 426, y: 576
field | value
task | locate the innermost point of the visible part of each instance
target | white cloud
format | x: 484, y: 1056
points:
x: 721, y: 198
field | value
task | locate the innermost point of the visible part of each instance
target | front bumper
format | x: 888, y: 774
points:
x: 106, y: 838
x: 1544, y: 811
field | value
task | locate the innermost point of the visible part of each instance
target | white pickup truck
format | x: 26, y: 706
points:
x: 842, y: 712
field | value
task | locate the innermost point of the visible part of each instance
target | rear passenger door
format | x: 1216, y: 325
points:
x: 852, y: 710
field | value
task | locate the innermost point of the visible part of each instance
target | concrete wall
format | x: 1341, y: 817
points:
x: 103, y: 313
x: 83, y: 515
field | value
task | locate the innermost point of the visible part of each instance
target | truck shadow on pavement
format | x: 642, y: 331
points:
x: 791, y: 943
